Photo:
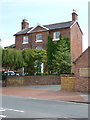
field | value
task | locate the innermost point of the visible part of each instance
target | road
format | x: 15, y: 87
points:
x: 21, y: 107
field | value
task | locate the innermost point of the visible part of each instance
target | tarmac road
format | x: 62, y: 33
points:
x: 20, y: 107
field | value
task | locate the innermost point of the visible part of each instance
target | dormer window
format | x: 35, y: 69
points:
x: 56, y: 36
x: 39, y: 38
x: 25, y: 40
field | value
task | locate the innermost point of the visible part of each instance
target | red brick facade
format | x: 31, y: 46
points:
x: 76, y: 41
x: 73, y: 32
x: 82, y: 77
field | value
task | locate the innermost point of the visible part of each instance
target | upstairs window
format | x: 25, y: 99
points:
x: 39, y: 38
x: 25, y: 39
x: 56, y: 35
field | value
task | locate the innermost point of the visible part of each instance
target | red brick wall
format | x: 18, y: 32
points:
x: 32, y: 38
x: 82, y: 83
x: 32, y: 80
x: 76, y: 41
x: 43, y: 43
x: 32, y: 41
x: 73, y: 33
x: 19, y: 42
x: 63, y: 32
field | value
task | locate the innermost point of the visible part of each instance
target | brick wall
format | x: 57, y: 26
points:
x: 32, y: 38
x: 73, y: 33
x: 76, y: 41
x: 32, y: 80
x: 82, y: 82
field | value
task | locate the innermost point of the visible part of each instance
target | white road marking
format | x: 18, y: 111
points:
x: 4, y: 109
x: 14, y: 110
x: 2, y: 116
x: 1, y: 109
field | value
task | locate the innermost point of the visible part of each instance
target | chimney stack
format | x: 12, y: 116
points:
x: 74, y: 15
x: 24, y: 24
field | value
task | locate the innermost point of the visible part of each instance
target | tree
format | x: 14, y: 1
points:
x: 51, y: 48
x: 8, y: 58
x: 59, y: 59
x: 12, y: 58
x: 62, y: 58
x: 28, y: 56
x: 33, y: 58
x: 19, y: 61
x: 40, y: 57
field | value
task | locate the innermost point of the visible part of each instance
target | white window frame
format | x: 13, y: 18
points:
x: 25, y: 39
x: 37, y: 38
x: 42, y: 68
x: 55, y: 36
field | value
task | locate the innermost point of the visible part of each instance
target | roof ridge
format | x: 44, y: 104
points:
x: 52, y: 26
x: 58, y: 23
x: 45, y: 25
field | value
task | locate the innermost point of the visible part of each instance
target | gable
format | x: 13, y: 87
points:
x: 76, y: 23
x: 38, y: 28
x: 84, y: 55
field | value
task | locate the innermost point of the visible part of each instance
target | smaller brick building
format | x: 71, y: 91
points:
x: 81, y: 70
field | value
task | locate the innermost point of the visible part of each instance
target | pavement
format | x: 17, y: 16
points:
x: 46, y: 92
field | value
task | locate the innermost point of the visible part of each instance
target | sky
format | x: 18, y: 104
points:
x: 40, y: 11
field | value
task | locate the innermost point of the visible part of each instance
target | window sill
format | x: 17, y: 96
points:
x: 25, y: 43
x: 56, y: 39
x: 38, y: 40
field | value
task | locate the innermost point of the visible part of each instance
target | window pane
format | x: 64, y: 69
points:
x: 39, y: 37
x: 25, y: 39
x: 56, y: 35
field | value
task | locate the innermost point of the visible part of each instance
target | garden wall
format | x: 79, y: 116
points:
x: 32, y: 80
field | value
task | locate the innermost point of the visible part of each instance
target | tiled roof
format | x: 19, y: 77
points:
x: 50, y: 27
x: 24, y: 31
x: 59, y: 25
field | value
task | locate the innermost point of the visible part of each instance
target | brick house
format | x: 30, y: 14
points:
x: 36, y: 37
x: 81, y: 70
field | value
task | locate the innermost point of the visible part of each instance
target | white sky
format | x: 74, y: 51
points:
x: 40, y: 11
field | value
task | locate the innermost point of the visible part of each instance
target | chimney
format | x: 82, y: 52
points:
x: 24, y: 24
x: 74, y: 15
